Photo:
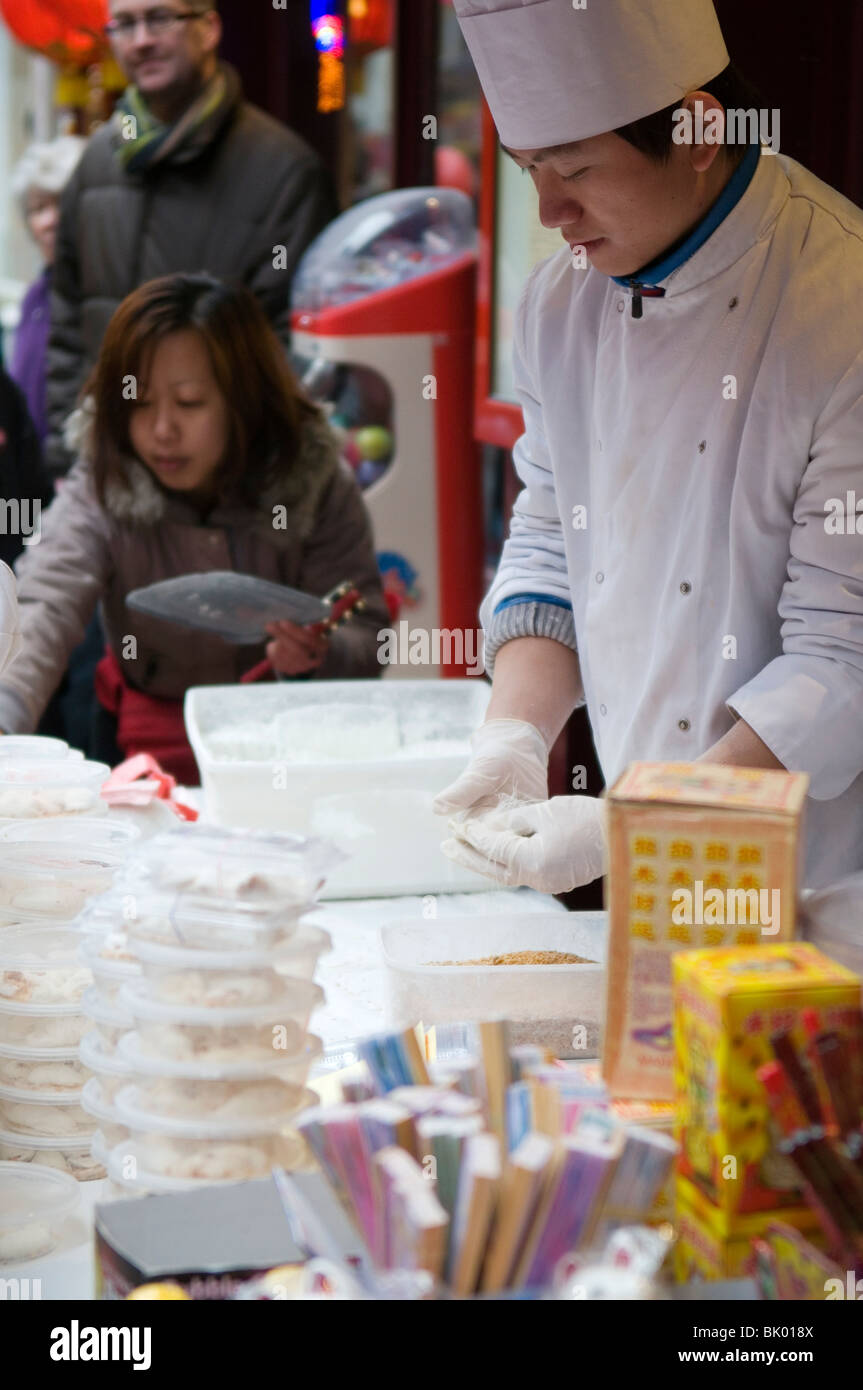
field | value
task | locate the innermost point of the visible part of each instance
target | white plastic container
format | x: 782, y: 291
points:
x: 133, y: 1109
x: 34, y: 1202
x: 68, y: 1155
x: 93, y: 833
x: 106, y: 1063
x: 175, y: 920
x: 226, y: 979
x: 49, y: 1069
x: 181, y: 1031
x: 129, y: 1170
x: 290, y: 1068
x: 40, y: 965
x: 104, y: 1111
x: 53, y: 879
x: 42, y: 1025
x: 555, y: 1006
x: 110, y: 1019
x: 26, y: 746
x: 44, y: 787
x: 46, y: 1116
x: 371, y: 798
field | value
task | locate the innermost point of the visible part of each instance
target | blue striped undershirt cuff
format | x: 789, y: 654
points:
x: 532, y: 598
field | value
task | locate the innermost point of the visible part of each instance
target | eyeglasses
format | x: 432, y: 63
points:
x: 154, y: 21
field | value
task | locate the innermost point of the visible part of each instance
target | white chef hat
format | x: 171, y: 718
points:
x: 553, y: 72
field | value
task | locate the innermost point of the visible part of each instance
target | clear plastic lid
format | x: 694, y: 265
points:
x: 99, y: 1058
x: 48, y: 1098
x: 48, y: 947
x: 383, y: 242
x: 95, y: 834
x: 306, y: 939
x: 179, y: 919
x: 131, y: 1111
x: 53, y: 880
x: 38, y: 1054
x: 128, y: 1152
x: 74, y: 1143
x: 294, y: 1004
x: 230, y: 867
x: 24, y: 746
x: 289, y: 1067
x: 40, y: 965
x: 30, y: 1192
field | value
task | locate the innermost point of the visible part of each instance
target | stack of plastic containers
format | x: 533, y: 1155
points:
x: 218, y: 1051
x: 42, y: 983
x: 34, y: 787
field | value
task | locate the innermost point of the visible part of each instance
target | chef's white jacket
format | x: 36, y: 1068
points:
x: 710, y: 444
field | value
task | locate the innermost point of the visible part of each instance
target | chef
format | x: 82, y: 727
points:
x: 690, y: 370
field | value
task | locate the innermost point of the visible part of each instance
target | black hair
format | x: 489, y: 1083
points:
x: 652, y: 135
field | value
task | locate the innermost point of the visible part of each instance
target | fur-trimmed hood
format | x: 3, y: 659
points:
x: 298, y: 487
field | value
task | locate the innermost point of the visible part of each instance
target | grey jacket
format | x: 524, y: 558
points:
x: 90, y: 554
x: 255, y: 186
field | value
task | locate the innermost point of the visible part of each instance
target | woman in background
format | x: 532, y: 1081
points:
x: 38, y: 181
x: 200, y: 452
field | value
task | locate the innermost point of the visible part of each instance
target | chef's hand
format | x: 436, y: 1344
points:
x: 509, y: 764
x: 295, y: 650
x: 551, y: 846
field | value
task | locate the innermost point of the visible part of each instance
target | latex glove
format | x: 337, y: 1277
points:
x: 509, y: 763
x: 10, y: 633
x: 551, y: 846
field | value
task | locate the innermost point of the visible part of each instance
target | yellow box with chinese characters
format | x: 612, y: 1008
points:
x: 727, y: 1006
x: 709, y: 1246
x: 699, y: 855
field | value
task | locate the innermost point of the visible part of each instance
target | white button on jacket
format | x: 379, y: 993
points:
x: 729, y: 415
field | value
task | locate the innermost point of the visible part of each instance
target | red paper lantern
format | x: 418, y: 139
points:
x: 36, y: 24
x: 370, y: 23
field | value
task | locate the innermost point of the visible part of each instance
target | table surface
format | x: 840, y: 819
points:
x: 352, y: 977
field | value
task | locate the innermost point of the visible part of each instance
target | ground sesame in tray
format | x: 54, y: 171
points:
x: 523, y: 958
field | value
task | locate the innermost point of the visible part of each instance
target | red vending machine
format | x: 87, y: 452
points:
x: 383, y: 336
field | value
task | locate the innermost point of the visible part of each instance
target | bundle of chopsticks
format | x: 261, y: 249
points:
x: 451, y: 1179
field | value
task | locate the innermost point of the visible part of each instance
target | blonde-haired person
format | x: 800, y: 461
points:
x: 38, y: 181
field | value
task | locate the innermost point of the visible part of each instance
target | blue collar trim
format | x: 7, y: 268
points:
x: 729, y: 198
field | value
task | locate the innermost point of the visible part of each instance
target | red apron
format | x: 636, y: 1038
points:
x: 146, y: 724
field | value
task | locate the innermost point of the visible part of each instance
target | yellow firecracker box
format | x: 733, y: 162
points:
x: 699, y: 855
x: 709, y: 1246
x: 727, y: 1004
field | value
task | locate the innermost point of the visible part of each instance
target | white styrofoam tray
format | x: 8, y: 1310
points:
x: 375, y: 805
x: 557, y: 1006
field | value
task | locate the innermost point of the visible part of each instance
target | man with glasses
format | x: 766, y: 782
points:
x: 185, y: 176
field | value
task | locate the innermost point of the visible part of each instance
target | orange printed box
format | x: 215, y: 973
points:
x: 727, y: 1006
x: 699, y: 855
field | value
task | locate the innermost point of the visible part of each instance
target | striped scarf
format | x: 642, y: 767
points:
x: 145, y: 141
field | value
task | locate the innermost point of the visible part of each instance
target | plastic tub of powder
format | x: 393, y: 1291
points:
x: 259, y: 1120
x: 341, y: 773
x: 214, y: 1158
x: 48, y: 1069
x: 187, y: 1032
x: 34, y: 1202
x: 46, y: 787
x: 68, y: 1155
